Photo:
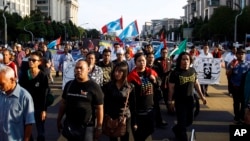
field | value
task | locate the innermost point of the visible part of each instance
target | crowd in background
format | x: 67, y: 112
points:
x: 104, y: 80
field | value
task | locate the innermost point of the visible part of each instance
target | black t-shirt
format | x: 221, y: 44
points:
x: 115, y: 99
x: 144, y: 93
x: 37, y: 87
x: 81, y: 97
x: 184, y: 81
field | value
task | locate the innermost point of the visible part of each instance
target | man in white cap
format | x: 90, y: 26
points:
x: 119, y: 56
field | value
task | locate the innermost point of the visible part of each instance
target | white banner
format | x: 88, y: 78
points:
x: 56, y: 57
x: 68, y: 72
x: 208, y: 70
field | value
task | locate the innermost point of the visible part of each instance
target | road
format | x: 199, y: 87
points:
x: 212, y: 124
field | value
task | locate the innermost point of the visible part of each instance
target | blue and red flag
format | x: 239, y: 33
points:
x: 112, y: 26
x: 130, y: 31
x: 52, y: 44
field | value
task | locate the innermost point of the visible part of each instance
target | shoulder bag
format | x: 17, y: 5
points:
x: 115, y: 127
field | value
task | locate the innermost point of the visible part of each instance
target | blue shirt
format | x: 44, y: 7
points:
x: 238, y: 71
x: 17, y: 110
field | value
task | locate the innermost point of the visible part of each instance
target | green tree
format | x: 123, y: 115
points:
x: 13, y: 20
x: 221, y: 23
x: 93, y: 33
x: 23, y: 35
x: 37, y: 26
x: 196, y: 29
x: 57, y: 29
x: 243, y: 27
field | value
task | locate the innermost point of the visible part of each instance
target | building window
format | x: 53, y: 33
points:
x: 193, y: 6
x: 42, y: 1
x: 213, y: 2
x: 43, y: 7
x: 229, y: 3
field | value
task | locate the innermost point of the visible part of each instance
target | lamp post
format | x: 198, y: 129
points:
x: 84, y: 30
x: 5, y: 25
x: 24, y: 28
x: 235, y: 24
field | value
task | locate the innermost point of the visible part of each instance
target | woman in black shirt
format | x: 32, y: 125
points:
x: 115, y: 94
x: 145, y: 81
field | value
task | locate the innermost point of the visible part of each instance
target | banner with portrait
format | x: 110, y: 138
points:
x: 208, y: 70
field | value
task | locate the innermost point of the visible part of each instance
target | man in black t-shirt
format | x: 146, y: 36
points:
x: 81, y: 98
x: 107, y: 65
x: 182, y: 81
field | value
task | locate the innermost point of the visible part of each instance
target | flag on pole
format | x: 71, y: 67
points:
x: 112, y: 26
x: 130, y: 31
x: 181, y: 48
x: 158, y: 52
x: 52, y: 44
x: 163, y: 39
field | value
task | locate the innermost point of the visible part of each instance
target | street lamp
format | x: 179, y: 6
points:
x: 84, y: 30
x: 5, y: 25
x: 24, y: 28
x: 235, y: 24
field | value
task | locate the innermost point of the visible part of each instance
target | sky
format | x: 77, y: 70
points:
x: 97, y: 13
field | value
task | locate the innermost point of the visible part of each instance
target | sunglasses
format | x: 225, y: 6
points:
x: 33, y: 60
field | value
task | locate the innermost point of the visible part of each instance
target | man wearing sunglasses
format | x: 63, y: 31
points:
x: 35, y: 81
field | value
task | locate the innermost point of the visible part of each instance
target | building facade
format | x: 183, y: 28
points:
x: 58, y: 10
x: 153, y: 27
x: 205, y: 8
x: 21, y: 7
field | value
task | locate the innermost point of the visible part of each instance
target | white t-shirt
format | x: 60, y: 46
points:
x: 208, y: 55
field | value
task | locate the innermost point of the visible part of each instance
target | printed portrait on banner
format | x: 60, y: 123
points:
x: 208, y: 70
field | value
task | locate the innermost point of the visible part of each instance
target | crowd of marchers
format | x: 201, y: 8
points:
x: 115, y: 82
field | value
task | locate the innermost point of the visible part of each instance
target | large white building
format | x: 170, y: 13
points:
x: 58, y: 10
x: 22, y: 7
x: 205, y: 8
